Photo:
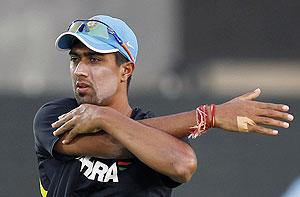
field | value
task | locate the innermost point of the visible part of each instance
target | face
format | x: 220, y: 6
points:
x: 95, y: 76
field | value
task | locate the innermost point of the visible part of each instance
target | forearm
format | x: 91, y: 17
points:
x: 157, y: 149
x: 177, y: 125
x: 106, y: 146
x: 99, y: 144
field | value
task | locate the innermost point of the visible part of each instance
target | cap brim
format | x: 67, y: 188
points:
x: 65, y: 42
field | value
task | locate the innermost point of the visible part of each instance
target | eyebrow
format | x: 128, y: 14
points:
x: 89, y: 53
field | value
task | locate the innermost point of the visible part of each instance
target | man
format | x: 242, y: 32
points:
x: 98, y: 145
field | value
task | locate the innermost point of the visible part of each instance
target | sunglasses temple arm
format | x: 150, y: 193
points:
x: 128, y: 52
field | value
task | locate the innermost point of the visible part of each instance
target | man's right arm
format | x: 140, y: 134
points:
x: 99, y: 144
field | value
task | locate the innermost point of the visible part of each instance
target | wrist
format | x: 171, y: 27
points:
x: 211, y: 115
x: 205, y: 119
x: 217, y: 116
x: 101, y: 115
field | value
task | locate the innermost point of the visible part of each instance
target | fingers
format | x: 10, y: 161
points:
x: 275, y: 114
x: 61, y: 120
x: 67, y: 126
x: 271, y: 117
x: 271, y: 122
x: 71, y: 123
x: 278, y: 107
x: 72, y: 112
x: 250, y: 95
x: 73, y: 134
x: 64, y: 118
x: 70, y: 136
x: 262, y: 130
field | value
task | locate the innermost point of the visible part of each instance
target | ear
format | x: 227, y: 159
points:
x: 126, y: 70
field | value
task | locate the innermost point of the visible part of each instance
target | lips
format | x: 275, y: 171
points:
x: 82, y: 87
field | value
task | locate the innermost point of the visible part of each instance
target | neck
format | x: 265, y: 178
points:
x: 122, y: 107
x: 120, y: 103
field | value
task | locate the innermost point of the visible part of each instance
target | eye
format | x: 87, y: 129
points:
x: 94, y: 60
x: 74, y: 59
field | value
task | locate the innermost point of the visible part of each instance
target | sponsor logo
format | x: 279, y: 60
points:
x: 98, y: 171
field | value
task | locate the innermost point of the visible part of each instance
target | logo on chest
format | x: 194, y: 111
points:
x: 98, y: 171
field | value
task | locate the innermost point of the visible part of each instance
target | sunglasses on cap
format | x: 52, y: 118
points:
x: 96, y: 28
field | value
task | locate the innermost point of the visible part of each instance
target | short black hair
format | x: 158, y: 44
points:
x: 120, y: 58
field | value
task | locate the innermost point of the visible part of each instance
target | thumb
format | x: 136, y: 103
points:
x: 250, y: 95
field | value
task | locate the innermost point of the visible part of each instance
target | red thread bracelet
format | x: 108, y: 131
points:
x: 203, y: 122
x: 213, y: 114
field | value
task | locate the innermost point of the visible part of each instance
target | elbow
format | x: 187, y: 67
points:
x: 185, y: 170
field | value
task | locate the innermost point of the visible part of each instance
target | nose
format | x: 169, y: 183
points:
x: 81, y: 69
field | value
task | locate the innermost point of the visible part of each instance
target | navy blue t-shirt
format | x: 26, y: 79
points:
x: 71, y: 176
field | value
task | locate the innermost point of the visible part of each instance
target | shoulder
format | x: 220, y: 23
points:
x: 67, y: 102
x: 45, y: 116
x: 63, y: 103
x: 55, y: 108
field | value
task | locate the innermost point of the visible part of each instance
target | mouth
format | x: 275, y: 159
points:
x: 82, y: 87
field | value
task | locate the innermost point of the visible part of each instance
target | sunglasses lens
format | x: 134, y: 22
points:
x: 97, y: 29
x: 75, y: 26
x: 91, y: 28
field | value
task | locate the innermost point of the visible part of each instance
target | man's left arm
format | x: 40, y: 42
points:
x: 262, y: 113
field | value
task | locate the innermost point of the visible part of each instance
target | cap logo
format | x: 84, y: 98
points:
x: 128, y: 44
x: 91, y: 24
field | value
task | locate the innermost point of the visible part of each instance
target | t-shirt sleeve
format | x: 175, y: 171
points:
x: 45, y: 116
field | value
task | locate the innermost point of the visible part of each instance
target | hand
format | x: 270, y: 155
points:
x: 81, y: 120
x: 263, y: 114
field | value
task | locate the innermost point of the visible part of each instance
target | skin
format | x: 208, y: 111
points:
x: 104, y: 106
x: 101, y: 74
x: 101, y: 86
x: 263, y: 114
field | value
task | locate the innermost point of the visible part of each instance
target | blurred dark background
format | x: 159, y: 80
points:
x: 191, y: 53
